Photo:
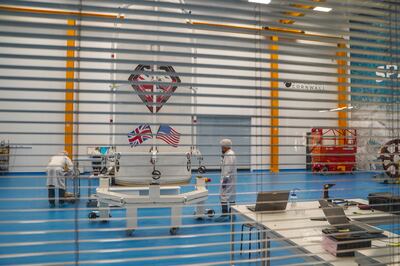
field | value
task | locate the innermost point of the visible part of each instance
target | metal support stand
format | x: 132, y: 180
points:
x: 266, y: 246
x: 91, y: 203
x: 232, y: 240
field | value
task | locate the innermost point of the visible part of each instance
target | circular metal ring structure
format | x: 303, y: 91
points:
x: 390, y: 157
x: 156, y: 174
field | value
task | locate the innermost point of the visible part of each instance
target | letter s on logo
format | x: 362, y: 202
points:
x: 380, y: 74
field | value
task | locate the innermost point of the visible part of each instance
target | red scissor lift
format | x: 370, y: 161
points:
x: 333, y: 150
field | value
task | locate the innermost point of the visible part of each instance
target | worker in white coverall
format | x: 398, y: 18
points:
x: 59, y: 166
x: 228, y: 179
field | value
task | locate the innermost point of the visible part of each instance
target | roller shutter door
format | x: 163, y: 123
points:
x: 211, y: 129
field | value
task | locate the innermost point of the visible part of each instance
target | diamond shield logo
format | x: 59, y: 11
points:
x: 154, y: 102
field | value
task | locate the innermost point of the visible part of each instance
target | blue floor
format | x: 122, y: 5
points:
x: 25, y: 228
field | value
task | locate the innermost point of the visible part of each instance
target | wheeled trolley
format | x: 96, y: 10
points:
x: 153, y: 196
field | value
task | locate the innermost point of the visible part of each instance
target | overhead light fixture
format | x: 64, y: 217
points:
x: 321, y: 9
x: 265, y: 2
x: 337, y: 109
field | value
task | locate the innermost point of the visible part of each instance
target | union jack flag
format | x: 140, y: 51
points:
x: 169, y: 135
x: 140, y: 135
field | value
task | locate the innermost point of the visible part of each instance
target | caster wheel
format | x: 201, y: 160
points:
x: 324, y: 170
x: 130, y: 232
x: 210, y: 213
x: 173, y: 230
x: 198, y: 217
x: 92, y: 215
x: 353, y: 171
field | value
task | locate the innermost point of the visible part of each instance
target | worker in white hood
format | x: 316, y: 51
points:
x: 58, y: 167
x: 228, y: 179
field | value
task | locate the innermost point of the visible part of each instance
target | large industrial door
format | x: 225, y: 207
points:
x: 211, y: 129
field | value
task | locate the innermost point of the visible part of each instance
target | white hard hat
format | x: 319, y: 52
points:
x: 226, y: 143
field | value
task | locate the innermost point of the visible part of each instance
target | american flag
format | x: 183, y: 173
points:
x: 169, y: 135
x: 140, y: 135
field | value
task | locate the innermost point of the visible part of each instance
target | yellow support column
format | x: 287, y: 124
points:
x: 69, y: 92
x: 342, y: 93
x: 274, y: 163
